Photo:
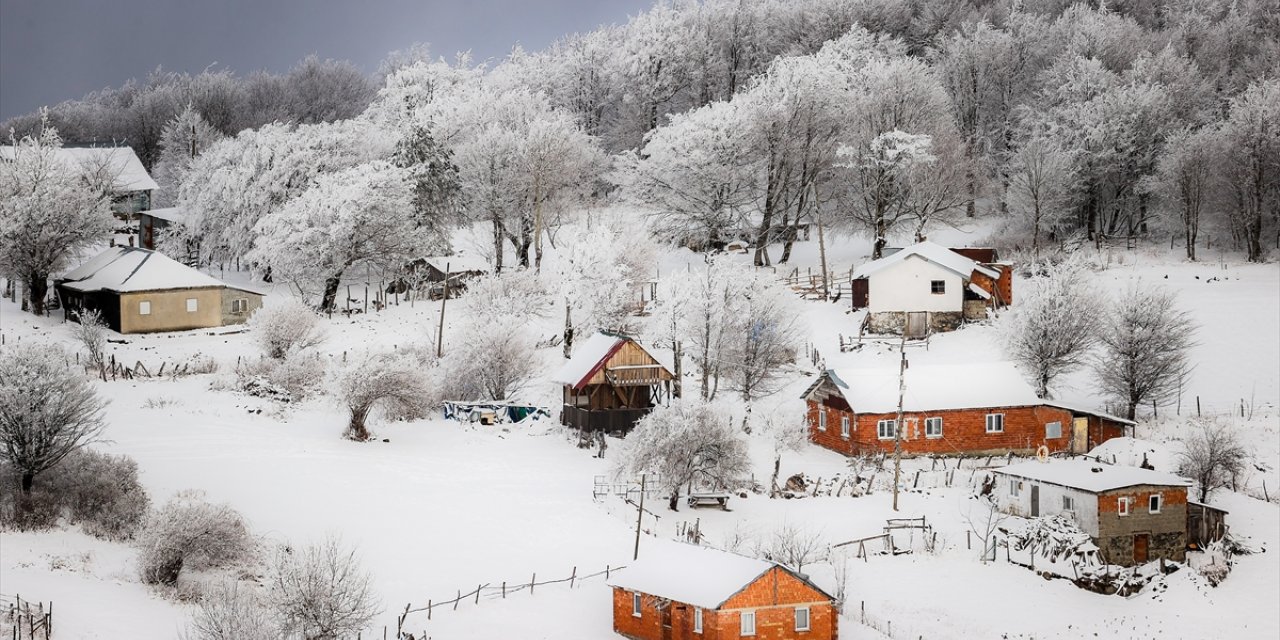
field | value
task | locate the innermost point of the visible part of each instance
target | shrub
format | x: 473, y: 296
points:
x: 228, y: 612
x: 321, y: 591
x: 285, y: 328
x: 190, y: 532
x: 101, y: 493
x: 290, y: 379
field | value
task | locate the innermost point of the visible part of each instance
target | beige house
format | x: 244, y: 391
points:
x: 141, y: 291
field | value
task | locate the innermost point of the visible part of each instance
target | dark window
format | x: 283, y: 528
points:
x: 938, y: 286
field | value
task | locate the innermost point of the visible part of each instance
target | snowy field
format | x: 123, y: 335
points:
x: 437, y: 508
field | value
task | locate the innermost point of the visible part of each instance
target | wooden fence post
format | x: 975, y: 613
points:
x: 533, y: 582
x: 572, y: 577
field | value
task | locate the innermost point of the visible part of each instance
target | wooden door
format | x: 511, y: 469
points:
x: 666, y: 621
x: 861, y: 290
x: 1140, y: 543
x: 1080, y: 435
x: 917, y: 324
x: 1035, y: 500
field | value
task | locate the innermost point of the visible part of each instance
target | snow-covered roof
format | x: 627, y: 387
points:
x: 979, y: 291
x: 172, y: 214
x: 458, y: 264
x: 1093, y: 412
x: 125, y: 269
x: 587, y: 358
x: 936, y: 387
x: 123, y: 164
x: 932, y: 252
x: 699, y: 576
x: 1092, y: 476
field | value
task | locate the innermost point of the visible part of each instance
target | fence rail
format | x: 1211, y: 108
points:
x: 25, y: 620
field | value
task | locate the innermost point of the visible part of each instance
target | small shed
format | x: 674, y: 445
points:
x: 432, y: 272
x: 610, y: 383
x: 1134, y: 515
x: 1205, y: 524
x: 678, y: 591
x: 141, y: 291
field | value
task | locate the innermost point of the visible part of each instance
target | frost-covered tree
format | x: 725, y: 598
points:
x: 1213, y: 456
x: 763, y: 334
x: 285, y: 328
x: 192, y: 533
x: 321, y: 591
x: 881, y: 179
x: 687, y: 442
x: 389, y: 378
x: 599, y: 268
x: 492, y: 357
x: 1053, y: 327
x: 1146, y: 342
x: 787, y: 430
x: 1252, y: 133
x: 433, y: 177
x: 1041, y: 186
x: 326, y: 90
x: 183, y: 139
x: 1186, y: 178
x: 359, y: 216
x: 47, y: 410
x: 50, y: 211
x: 229, y: 611
x: 91, y: 332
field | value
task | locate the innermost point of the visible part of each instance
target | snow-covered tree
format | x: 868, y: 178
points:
x: 881, y: 179
x: 285, y: 328
x: 375, y: 378
x: 321, y: 591
x: 599, y: 268
x: 492, y: 357
x: 1041, y: 186
x: 1051, y: 330
x: 190, y: 532
x: 1213, y: 456
x: 433, y: 177
x: 1146, y: 342
x: 1252, y: 133
x: 228, y: 611
x: 50, y: 212
x: 687, y: 442
x: 787, y: 428
x: 1186, y: 178
x: 91, y: 332
x: 47, y: 410
x: 361, y: 216
x: 763, y: 334
x: 183, y: 139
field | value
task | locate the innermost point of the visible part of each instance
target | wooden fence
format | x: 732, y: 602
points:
x: 25, y: 620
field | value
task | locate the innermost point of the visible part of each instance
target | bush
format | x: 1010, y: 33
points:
x: 190, y: 532
x: 228, y: 612
x: 381, y: 379
x: 290, y: 379
x: 321, y: 591
x: 98, y: 491
x: 286, y: 328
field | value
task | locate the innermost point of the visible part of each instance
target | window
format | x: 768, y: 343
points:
x: 747, y: 623
x: 1052, y: 430
x: 144, y: 308
x: 885, y: 429
x: 635, y: 605
x: 1153, y: 503
x: 1123, y: 506
x: 995, y: 423
x: 802, y: 618
x: 1014, y: 487
x: 1068, y: 503
x: 933, y: 427
x: 697, y: 620
x: 938, y: 287
x: 192, y: 305
x: 239, y: 306
x: 822, y: 419
x: 844, y: 426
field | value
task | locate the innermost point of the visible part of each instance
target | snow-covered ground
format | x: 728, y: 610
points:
x: 437, y: 508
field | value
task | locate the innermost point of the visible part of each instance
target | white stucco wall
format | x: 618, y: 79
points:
x: 1086, y: 504
x: 905, y: 286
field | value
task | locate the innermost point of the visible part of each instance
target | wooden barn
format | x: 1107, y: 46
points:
x: 678, y: 591
x: 432, y: 273
x: 610, y: 383
x: 966, y: 409
x: 141, y: 291
x: 1134, y: 515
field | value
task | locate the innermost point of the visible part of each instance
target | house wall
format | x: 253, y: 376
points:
x: 645, y: 627
x: 629, y: 353
x: 1086, y: 504
x: 905, y: 286
x: 963, y: 430
x: 169, y: 310
x: 253, y: 302
x: 1167, y: 529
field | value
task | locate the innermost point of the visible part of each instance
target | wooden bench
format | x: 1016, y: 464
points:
x: 709, y: 498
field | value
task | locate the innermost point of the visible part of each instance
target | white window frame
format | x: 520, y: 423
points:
x: 697, y: 619
x: 928, y: 431
x: 144, y: 307
x: 1122, y: 506
x: 1068, y: 504
x: 880, y: 428
x: 989, y: 422
x: 1015, y: 487
x: 822, y: 418
x: 807, y: 620
x: 239, y: 306
x: 745, y: 629
x: 193, y: 305
x: 844, y: 427
x: 1048, y: 431
x: 635, y: 604
x: 1158, y: 498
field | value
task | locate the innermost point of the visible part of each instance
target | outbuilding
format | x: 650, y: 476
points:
x: 958, y: 409
x: 610, y: 383
x: 141, y: 291
x: 678, y: 591
x: 1134, y: 515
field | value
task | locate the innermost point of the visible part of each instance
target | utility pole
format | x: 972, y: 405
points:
x: 443, y: 301
x: 897, y: 423
x: 639, y: 518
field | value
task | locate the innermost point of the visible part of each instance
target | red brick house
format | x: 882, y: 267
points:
x: 985, y: 408
x: 679, y: 591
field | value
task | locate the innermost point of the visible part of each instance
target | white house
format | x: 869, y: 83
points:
x: 926, y: 286
x: 131, y: 185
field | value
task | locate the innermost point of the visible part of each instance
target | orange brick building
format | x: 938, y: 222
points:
x: 678, y: 591
x: 967, y: 409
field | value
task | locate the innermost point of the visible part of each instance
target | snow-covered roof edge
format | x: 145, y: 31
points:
x: 592, y: 354
x: 933, y: 252
x: 1091, y: 475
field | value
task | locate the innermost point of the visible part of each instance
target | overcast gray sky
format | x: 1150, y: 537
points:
x: 55, y: 50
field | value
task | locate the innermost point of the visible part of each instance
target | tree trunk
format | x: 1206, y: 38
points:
x: 568, y: 330
x: 37, y: 289
x: 357, y: 430
x: 498, y: 241
x: 329, y: 300
x: 28, y: 479
x: 674, y: 502
x: 774, y: 490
